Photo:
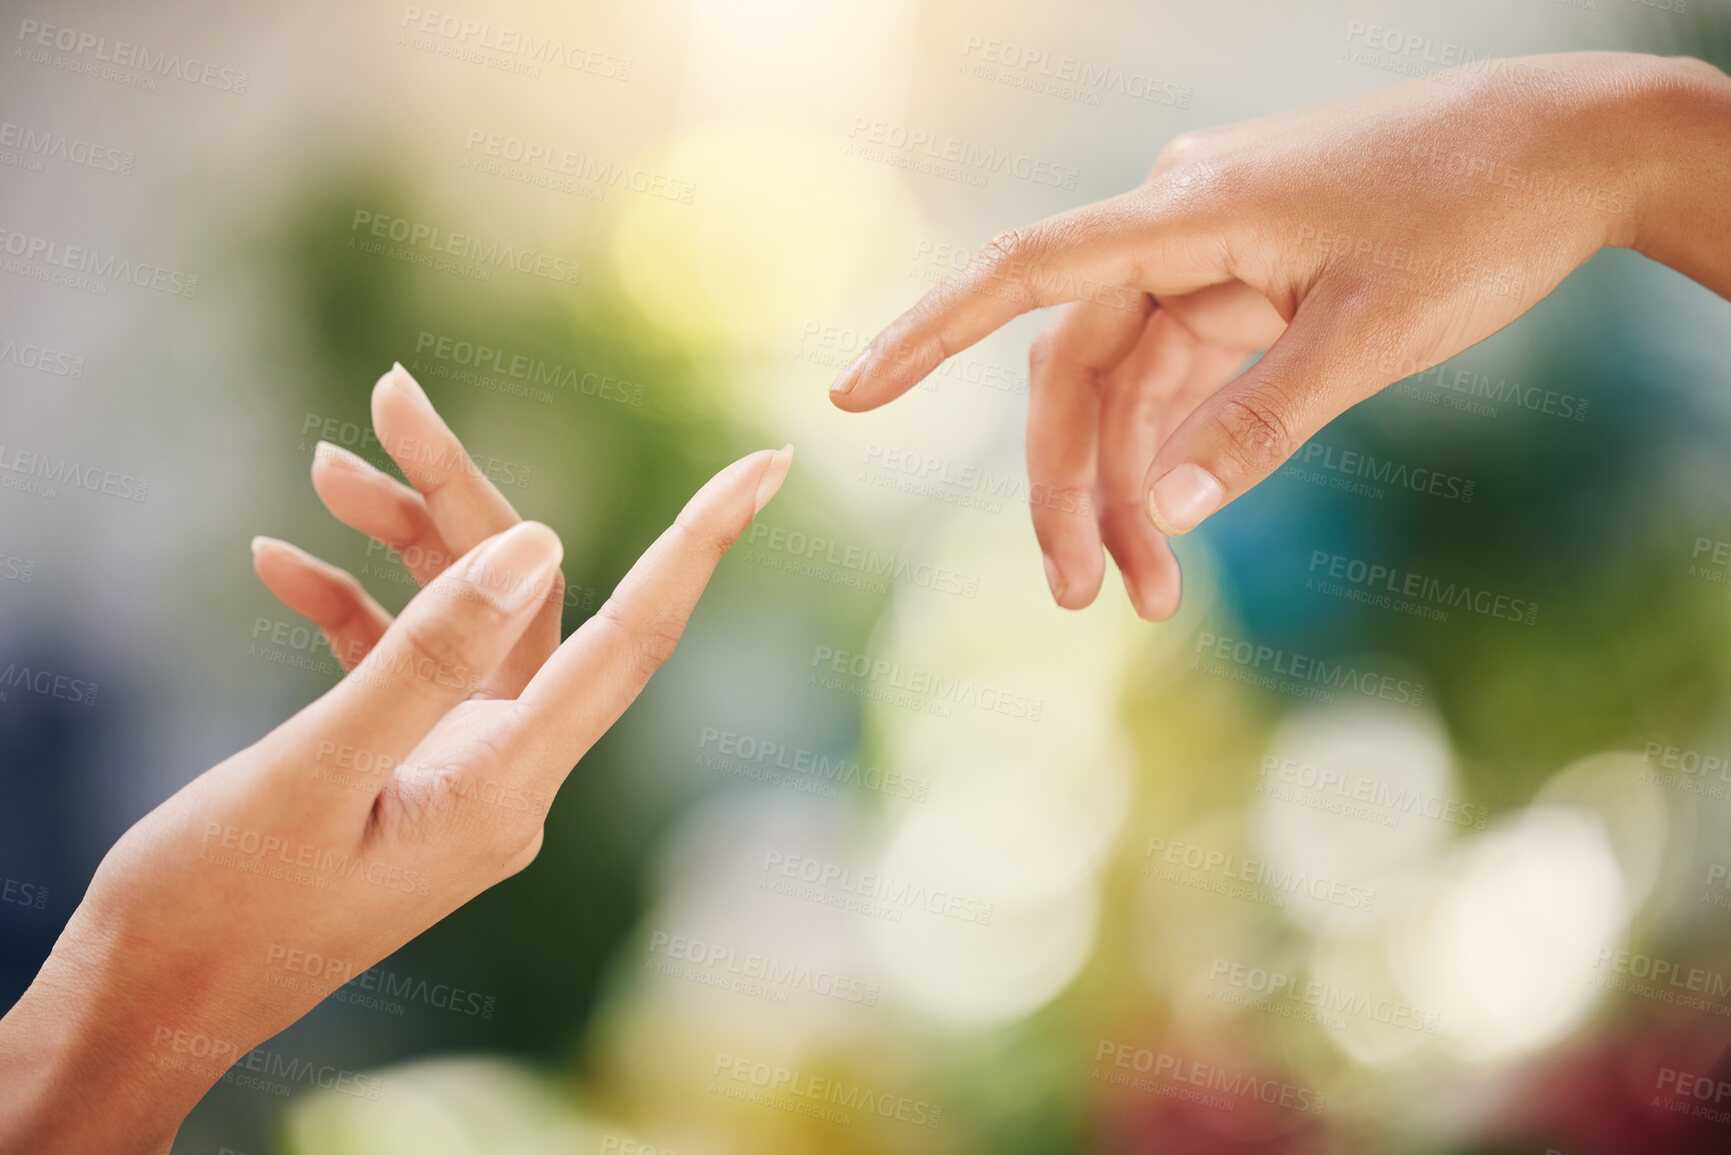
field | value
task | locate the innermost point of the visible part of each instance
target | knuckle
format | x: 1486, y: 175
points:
x: 709, y: 539
x: 1059, y: 508
x: 507, y: 841
x: 435, y: 651
x: 1255, y: 429
x: 522, y: 850
x: 648, y: 643
x: 1180, y: 150
x: 1005, y: 266
x: 1007, y: 246
x: 425, y: 806
x: 899, y: 348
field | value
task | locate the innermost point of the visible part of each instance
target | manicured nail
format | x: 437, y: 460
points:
x: 850, y: 376
x: 404, y: 380
x: 1054, y: 579
x: 515, y: 569
x: 773, y: 474
x: 1182, y: 498
x: 262, y: 543
x: 337, y: 455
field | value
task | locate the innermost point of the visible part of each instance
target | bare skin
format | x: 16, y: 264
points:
x: 420, y: 780
x: 1358, y: 243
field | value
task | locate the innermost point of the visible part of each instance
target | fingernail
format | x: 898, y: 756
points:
x: 849, y: 376
x: 773, y: 474
x: 516, y: 568
x: 1054, y: 579
x: 404, y: 380
x: 1182, y: 498
x: 261, y: 542
x: 337, y: 455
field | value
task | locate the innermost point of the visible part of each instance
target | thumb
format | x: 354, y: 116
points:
x: 1245, y: 431
x: 445, y: 642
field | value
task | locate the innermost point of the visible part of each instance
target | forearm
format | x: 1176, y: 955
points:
x: 1683, y: 214
x: 81, y: 1068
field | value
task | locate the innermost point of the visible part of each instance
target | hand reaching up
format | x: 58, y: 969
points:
x: 418, y: 781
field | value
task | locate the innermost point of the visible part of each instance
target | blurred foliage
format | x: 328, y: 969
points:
x: 607, y: 476
x: 1627, y: 645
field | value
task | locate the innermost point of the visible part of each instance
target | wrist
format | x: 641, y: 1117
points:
x: 1679, y: 118
x: 83, y: 1067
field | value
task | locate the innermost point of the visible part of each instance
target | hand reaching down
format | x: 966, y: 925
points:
x: 1358, y: 243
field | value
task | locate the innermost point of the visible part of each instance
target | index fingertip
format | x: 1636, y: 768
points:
x: 774, y: 473
x: 848, y: 377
